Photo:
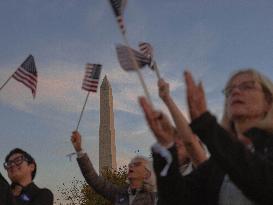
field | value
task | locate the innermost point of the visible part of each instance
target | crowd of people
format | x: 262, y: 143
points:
x: 201, y: 162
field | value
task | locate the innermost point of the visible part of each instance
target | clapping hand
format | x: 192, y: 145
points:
x: 195, y: 97
x: 163, y: 89
x: 158, y: 122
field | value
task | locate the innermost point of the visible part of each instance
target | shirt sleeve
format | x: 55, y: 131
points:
x: 98, y: 183
x: 251, y: 172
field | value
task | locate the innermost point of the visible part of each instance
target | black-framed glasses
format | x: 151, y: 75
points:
x: 244, y: 86
x: 17, y: 161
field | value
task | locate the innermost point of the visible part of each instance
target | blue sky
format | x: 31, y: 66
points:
x: 211, y: 38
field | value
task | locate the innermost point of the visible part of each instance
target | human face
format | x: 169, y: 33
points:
x: 137, y: 170
x: 245, y: 98
x: 18, y: 168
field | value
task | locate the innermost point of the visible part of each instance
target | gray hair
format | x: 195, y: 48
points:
x: 267, y: 87
x: 149, y: 184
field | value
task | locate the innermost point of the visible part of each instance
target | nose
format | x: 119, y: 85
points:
x: 234, y: 91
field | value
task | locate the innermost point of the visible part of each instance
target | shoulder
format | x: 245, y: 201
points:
x: 45, y: 195
x: 46, y: 192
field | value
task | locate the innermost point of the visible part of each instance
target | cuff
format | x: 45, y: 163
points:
x: 80, y: 154
x: 165, y: 153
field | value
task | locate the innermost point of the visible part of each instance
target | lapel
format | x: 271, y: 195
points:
x: 142, y: 197
x: 29, y: 192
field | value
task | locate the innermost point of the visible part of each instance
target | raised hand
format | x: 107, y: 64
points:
x: 163, y: 89
x: 76, y: 141
x: 195, y: 97
x: 158, y: 122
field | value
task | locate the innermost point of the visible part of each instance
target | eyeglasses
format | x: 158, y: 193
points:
x: 134, y: 164
x: 17, y: 161
x: 245, y: 86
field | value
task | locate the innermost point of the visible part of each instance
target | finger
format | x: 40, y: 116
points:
x: 160, y: 82
x: 189, y: 80
x: 192, y: 94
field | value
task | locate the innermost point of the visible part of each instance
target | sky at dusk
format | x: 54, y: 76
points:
x: 211, y: 38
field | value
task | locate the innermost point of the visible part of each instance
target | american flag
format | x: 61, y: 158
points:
x: 27, y: 74
x: 125, y: 58
x: 91, y: 78
x: 147, y: 50
x: 118, y: 8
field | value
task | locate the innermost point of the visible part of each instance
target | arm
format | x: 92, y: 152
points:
x: 191, y: 142
x: 176, y: 189
x: 45, y: 197
x: 98, y: 183
x: 251, y: 172
x: 4, y: 189
x: 172, y: 187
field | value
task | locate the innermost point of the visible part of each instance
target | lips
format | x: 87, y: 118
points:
x: 237, y: 102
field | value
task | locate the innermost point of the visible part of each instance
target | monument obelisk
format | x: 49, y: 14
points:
x: 107, y: 146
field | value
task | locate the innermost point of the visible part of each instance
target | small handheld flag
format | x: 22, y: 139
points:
x: 126, y: 61
x: 147, y: 50
x: 91, y: 78
x: 90, y: 83
x: 27, y: 74
x: 118, y: 7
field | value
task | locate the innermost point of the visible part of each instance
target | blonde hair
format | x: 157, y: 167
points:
x: 267, y: 87
x: 149, y: 184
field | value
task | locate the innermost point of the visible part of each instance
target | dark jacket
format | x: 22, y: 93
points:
x: 30, y: 195
x: 250, y: 171
x: 117, y: 195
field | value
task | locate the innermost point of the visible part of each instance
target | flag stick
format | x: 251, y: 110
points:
x: 156, y: 70
x: 6, y: 82
x: 134, y: 60
x: 137, y: 69
x: 82, y: 110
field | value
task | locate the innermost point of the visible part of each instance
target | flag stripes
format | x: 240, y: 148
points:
x: 125, y: 56
x: 118, y: 8
x: 91, y: 77
x: 146, y: 49
x: 27, y: 74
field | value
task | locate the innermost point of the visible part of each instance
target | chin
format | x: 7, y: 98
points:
x: 238, y: 113
x: 14, y: 178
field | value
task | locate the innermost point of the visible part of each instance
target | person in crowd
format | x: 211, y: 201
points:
x: 140, y: 190
x: 187, y: 162
x: 240, y: 168
x: 21, y: 169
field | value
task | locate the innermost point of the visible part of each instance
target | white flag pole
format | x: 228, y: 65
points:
x: 154, y: 66
x: 82, y: 111
x: 136, y: 67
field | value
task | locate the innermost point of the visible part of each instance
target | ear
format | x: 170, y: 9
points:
x: 32, y: 167
x: 147, y: 174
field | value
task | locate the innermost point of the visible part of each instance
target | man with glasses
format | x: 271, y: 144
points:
x: 21, y: 170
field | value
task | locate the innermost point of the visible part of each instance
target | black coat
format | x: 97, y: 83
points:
x: 31, y: 195
x: 251, y: 172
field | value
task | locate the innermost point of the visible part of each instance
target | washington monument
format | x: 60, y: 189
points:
x: 107, y: 146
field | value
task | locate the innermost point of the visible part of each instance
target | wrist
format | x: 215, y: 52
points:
x: 80, y: 153
x: 78, y: 149
x: 167, y: 145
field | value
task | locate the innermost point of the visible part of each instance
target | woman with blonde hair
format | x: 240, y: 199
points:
x: 240, y: 168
